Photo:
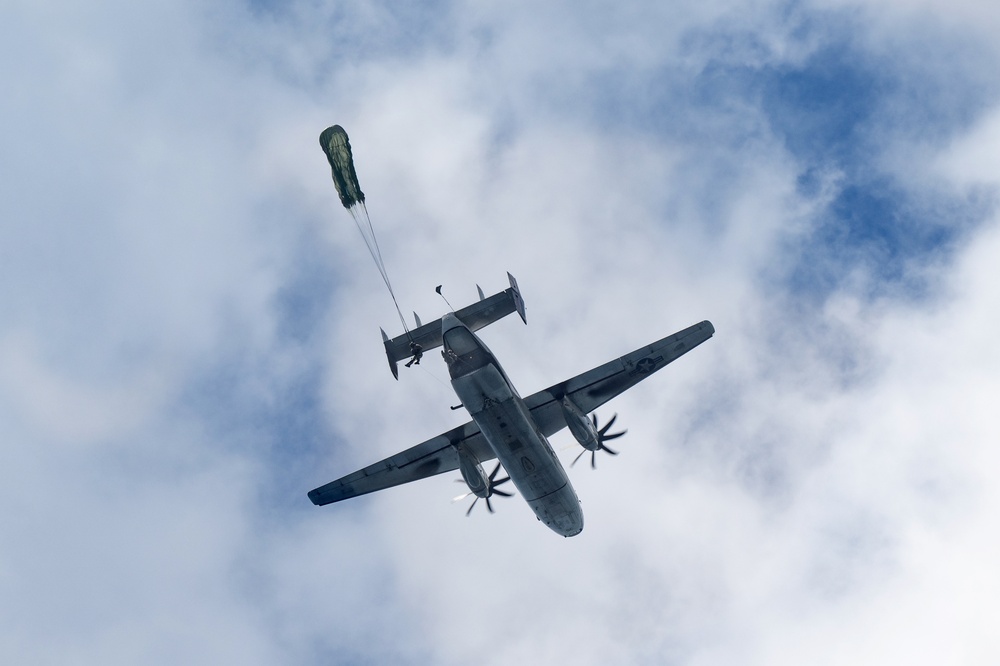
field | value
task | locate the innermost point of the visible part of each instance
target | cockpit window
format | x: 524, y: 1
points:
x: 460, y: 341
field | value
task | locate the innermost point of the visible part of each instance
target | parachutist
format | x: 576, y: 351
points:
x: 418, y: 353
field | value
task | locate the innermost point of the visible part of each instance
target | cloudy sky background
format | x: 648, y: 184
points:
x: 189, y: 328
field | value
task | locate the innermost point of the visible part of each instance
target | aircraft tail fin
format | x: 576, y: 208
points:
x: 475, y: 316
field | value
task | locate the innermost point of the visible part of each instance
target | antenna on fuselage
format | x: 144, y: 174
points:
x: 438, y: 290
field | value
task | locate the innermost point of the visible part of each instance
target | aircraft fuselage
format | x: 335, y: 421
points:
x: 506, y: 423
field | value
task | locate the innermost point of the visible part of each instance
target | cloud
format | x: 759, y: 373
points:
x: 189, y: 335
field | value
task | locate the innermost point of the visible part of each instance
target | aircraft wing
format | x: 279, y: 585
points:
x: 435, y: 456
x: 588, y: 391
x: 593, y: 388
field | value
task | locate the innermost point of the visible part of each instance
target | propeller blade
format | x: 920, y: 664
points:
x: 607, y: 426
x: 491, y: 489
x: 602, y: 436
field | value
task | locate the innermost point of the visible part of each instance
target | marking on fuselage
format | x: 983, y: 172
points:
x: 527, y: 464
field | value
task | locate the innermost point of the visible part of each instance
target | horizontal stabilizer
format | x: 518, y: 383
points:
x: 475, y: 316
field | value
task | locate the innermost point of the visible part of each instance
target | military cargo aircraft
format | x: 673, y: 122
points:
x: 504, y: 426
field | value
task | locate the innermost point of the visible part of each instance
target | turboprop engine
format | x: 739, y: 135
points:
x: 582, y: 428
x: 479, y: 484
x: 586, y: 432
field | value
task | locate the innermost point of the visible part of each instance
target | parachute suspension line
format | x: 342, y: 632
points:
x: 337, y: 147
x: 371, y: 242
x: 378, y: 251
x: 383, y: 271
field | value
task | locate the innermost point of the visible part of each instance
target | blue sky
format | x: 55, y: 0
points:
x: 190, y: 332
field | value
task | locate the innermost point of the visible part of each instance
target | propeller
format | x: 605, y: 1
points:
x: 602, y: 436
x: 491, y: 489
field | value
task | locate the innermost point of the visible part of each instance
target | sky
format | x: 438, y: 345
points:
x: 189, y: 328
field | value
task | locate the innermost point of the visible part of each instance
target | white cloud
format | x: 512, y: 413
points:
x: 972, y: 160
x: 811, y: 485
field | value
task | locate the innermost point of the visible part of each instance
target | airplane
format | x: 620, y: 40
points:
x: 504, y: 426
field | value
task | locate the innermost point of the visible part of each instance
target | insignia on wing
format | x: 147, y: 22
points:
x: 646, y: 365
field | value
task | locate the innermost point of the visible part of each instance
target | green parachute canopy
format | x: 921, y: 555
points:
x: 337, y: 147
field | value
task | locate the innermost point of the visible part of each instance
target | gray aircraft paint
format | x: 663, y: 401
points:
x: 505, y: 421
x: 514, y: 430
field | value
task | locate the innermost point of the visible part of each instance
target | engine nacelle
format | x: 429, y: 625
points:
x: 583, y: 428
x: 475, y: 477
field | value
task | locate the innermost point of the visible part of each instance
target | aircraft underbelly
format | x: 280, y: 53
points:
x: 526, y: 455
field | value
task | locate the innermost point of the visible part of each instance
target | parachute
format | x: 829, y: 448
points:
x: 337, y: 147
